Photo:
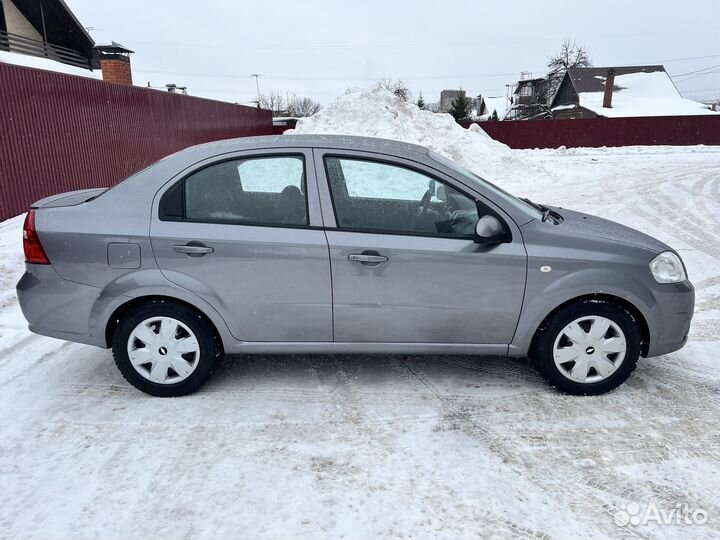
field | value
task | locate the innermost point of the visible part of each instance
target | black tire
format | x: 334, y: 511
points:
x: 542, y: 349
x: 211, y: 352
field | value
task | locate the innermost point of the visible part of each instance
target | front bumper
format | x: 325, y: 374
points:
x: 671, y: 316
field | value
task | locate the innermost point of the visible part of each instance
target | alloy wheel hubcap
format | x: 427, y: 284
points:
x: 589, y: 349
x: 163, y: 350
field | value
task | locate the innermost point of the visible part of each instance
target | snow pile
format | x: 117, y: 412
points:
x: 11, y: 258
x: 643, y: 94
x: 13, y: 327
x: 376, y: 112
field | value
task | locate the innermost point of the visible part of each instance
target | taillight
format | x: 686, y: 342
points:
x: 34, y: 252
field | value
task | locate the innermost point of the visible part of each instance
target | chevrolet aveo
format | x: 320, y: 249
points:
x: 332, y: 244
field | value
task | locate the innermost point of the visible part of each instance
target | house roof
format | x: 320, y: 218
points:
x: 112, y: 47
x: 499, y: 104
x: 60, y: 24
x: 637, y: 91
x: 593, y: 79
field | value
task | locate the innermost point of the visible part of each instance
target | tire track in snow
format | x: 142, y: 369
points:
x: 458, y: 419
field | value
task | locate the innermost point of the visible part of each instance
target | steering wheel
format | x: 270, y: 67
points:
x: 424, y: 207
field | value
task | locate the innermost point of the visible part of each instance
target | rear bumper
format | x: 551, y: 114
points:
x: 671, y: 317
x: 56, y: 307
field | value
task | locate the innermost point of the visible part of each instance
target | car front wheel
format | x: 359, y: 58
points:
x: 588, y: 348
x: 166, y: 349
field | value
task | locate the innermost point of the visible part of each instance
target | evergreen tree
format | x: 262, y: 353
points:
x: 421, y: 102
x: 494, y: 116
x: 460, y: 107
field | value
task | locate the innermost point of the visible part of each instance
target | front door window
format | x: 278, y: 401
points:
x: 380, y: 197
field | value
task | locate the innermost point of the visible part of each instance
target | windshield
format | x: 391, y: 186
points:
x: 521, y: 205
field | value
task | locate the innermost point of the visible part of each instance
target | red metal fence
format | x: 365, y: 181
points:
x: 280, y: 127
x: 597, y: 132
x: 61, y: 132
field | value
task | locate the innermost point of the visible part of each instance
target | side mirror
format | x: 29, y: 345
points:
x: 489, y: 230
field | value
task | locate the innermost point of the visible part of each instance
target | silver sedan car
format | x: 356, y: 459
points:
x: 334, y: 244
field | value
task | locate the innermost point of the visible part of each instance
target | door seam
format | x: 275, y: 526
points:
x: 332, y: 290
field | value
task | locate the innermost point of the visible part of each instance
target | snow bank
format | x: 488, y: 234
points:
x: 376, y: 112
x: 13, y: 327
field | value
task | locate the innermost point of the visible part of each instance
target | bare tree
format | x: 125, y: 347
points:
x: 303, y: 107
x: 571, y: 54
x: 275, y: 102
x: 397, y: 87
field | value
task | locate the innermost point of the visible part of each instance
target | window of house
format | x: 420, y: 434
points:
x: 253, y: 191
x: 375, y: 196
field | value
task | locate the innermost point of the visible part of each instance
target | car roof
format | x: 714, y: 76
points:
x: 343, y: 142
x: 153, y: 177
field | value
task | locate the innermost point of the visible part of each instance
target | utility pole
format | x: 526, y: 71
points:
x: 257, y: 86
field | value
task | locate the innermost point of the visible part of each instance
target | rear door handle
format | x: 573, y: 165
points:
x: 194, y: 249
x: 368, y: 258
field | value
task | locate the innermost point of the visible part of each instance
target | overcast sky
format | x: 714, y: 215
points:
x: 320, y: 48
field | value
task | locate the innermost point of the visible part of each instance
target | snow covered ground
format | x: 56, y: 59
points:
x: 384, y: 446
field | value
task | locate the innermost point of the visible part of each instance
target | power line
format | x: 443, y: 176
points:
x: 696, y: 71
x: 333, y: 78
x: 403, y: 77
x: 667, y: 61
x: 698, y: 75
x: 321, y: 92
x: 404, y: 44
x: 679, y: 79
x: 702, y: 90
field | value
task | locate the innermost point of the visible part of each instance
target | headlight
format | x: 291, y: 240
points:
x: 667, y: 268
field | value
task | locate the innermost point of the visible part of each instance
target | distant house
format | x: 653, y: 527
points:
x: 529, y: 98
x: 487, y: 105
x: 45, y: 29
x: 447, y: 97
x: 621, y: 92
x: 45, y: 34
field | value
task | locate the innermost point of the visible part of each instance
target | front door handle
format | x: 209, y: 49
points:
x: 194, y: 249
x: 368, y: 258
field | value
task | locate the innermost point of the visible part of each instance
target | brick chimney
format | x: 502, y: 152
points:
x: 609, y: 84
x: 114, y: 60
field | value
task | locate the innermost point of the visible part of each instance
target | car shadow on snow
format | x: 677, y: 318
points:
x: 436, y: 375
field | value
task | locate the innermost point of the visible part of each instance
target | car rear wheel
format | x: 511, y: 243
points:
x: 166, y: 349
x: 588, y: 348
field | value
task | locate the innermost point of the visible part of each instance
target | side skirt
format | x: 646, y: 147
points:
x: 307, y: 347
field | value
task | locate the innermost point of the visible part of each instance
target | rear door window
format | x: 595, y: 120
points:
x: 250, y: 191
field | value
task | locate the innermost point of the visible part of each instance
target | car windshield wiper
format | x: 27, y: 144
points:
x: 544, y: 209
